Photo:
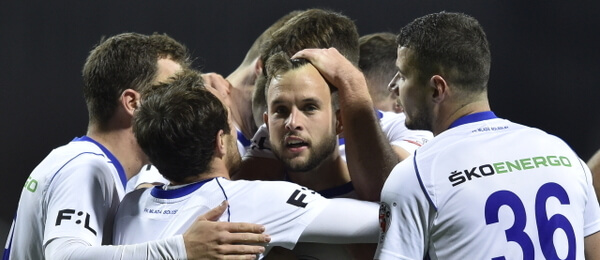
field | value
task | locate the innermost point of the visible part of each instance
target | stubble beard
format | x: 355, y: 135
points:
x: 316, y: 156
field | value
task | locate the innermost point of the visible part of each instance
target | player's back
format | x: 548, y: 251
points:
x: 285, y: 209
x: 503, y: 189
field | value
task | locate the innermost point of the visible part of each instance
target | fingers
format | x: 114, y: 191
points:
x: 240, y: 251
x: 214, y: 213
x: 245, y: 238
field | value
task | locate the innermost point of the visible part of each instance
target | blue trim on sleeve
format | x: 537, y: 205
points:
x: 159, y: 193
x: 471, y: 118
x: 243, y: 139
x: 111, y: 157
x: 421, y: 181
x: 337, y: 191
x: 6, y: 254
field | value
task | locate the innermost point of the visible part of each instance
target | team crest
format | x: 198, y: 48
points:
x: 384, y: 219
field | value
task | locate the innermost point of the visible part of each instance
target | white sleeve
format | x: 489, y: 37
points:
x: 344, y: 221
x: 392, y: 124
x: 73, y: 248
x: 260, y: 147
x: 405, y: 215
x: 81, y: 200
x: 592, y: 209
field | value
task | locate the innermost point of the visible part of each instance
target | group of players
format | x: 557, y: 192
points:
x: 306, y: 152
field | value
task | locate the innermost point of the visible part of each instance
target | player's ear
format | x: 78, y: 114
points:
x: 220, y: 149
x: 130, y: 100
x: 258, y: 67
x: 266, y: 119
x: 439, y: 88
x: 339, y: 125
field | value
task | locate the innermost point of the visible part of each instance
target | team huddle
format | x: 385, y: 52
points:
x: 322, y: 144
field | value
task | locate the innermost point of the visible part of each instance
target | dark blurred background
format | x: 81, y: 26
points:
x: 544, y: 61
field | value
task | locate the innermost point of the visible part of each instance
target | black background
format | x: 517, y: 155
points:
x: 545, y: 62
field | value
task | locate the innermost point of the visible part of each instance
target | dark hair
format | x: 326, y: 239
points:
x: 377, y: 62
x: 312, y: 28
x: 453, y: 45
x: 280, y: 63
x: 254, y: 50
x: 177, y: 124
x: 124, y: 61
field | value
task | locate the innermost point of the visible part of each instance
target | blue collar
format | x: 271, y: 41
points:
x: 471, y: 118
x: 111, y: 157
x: 337, y: 191
x: 159, y: 193
x: 245, y: 142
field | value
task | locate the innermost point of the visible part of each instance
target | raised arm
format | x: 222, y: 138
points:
x: 369, y: 155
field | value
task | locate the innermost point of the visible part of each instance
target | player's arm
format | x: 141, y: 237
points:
x: 369, y: 155
x: 344, y: 221
x: 592, y: 246
x: 205, y: 239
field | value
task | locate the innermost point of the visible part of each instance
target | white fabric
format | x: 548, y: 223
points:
x: 67, y: 207
x: 149, y: 174
x: 392, y: 125
x: 435, y: 205
x: 285, y: 209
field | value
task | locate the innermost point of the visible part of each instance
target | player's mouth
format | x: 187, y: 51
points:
x: 295, y: 144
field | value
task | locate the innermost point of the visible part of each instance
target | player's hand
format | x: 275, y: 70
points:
x: 207, y: 239
x: 342, y: 74
x: 219, y: 86
x: 333, y: 66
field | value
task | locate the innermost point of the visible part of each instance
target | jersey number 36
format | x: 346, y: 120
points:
x: 546, y: 226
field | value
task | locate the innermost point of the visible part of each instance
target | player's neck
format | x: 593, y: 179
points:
x: 215, y: 169
x: 443, y: 120
x: 122, y: 144
x: 333, y: 172
x: 241, y: 96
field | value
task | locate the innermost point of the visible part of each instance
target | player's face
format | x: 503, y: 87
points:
x: 412, y: 93
x: 300, y: 118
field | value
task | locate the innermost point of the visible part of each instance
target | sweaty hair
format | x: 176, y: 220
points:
x: 124, y: 61
x: 378, y: 62
x: 280, y: 63
x: 312, y: 28
x: 177, y: 124
x: 452, y: 45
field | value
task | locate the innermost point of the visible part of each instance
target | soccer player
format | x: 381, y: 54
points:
x: 68, y: 203
x: 371, y: 136
x: 378, y: 63
x: 189, y: 137
x: 483, y: 187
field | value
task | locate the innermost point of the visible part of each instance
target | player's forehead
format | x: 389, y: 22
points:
x: 302, y: 83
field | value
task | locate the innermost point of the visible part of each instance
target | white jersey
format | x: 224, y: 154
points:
x: 52, y: 203
x: 391, y: 123
x: 285, y: 209
x: 320, y: 251
x: 488, y: 188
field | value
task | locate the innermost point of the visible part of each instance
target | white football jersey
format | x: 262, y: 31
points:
x: 488, y: 188
x: 73, y: 192
x: 391, y: 123
x: 284, y: 208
